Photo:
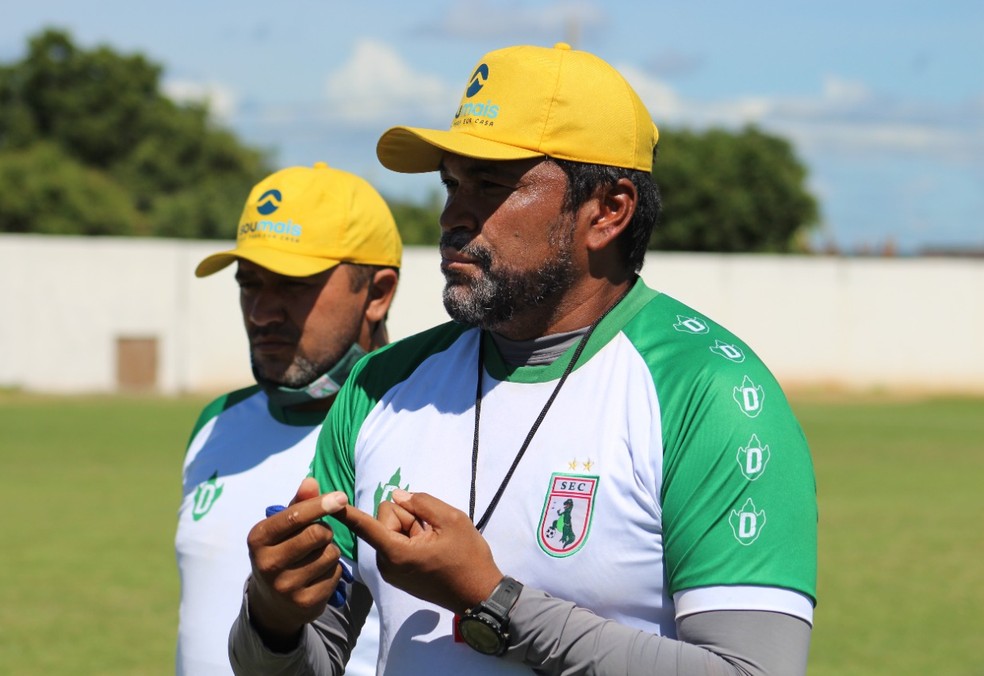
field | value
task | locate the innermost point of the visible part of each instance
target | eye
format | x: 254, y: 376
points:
x: 489, y: 184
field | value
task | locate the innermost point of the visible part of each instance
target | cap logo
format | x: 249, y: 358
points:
x: 476, y: 113
x: 478, y: 79
x: 269, y: 202
x: 284, y: 230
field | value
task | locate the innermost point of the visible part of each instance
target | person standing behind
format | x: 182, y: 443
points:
x: 318, y: 254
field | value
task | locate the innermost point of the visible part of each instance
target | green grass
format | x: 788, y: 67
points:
x: 900, y: 488
x: 89, y: 489
x: 89, y: 493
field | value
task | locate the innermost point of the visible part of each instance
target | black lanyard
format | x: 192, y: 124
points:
x: 582, y: 343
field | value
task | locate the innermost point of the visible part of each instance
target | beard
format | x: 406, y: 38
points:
x: 497, y: 294
x: 300, y: 373
x: 303, y: 369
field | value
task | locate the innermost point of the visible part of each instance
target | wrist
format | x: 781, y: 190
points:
x: 486, y: 626
x: 277, y: 636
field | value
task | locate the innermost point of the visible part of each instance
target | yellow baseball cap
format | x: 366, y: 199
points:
x: 301, y: 221
x: 527, y: 101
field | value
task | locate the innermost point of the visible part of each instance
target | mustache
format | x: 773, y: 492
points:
x: 462, y: 241
x: 278, y: 332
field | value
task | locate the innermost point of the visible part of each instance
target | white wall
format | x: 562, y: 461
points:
x: 860, y: 323
x: 901, y: 323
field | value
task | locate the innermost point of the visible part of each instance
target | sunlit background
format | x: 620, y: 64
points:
x: 882, y: 99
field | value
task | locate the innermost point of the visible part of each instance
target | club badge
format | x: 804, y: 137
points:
x: 567, y: 511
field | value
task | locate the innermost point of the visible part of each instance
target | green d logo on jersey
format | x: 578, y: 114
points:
x: 728, y: 351
x: 753, y: 457
x: 747, y: 524
x: 205, y: 496
x: 691, y: 325
x: 749, y: 397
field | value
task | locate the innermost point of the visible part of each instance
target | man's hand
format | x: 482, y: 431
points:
x: 295, y: 566
x: 428, y: 549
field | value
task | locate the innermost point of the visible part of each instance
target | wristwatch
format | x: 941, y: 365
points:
x: 486, y: 626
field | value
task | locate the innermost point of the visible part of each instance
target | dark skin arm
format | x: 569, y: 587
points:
x: 428, y: 549
x: 295, y: 566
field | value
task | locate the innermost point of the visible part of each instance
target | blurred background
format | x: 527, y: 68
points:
x: 881, y: 102
x: 839, y: 148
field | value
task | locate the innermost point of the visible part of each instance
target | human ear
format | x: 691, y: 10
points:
x: 382, y: 288
x: 613, y: 208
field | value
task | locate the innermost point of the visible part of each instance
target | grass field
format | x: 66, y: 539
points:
x: 89, y: 488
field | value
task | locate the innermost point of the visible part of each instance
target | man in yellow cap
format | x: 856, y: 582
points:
x: 317, y: 254
x: 601, y: 480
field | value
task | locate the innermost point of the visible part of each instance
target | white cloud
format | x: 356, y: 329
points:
x: 843, y: 116
x: 221, y: 100
x: 376, y: 84
x: 663, y: 103
x: 840, y: 91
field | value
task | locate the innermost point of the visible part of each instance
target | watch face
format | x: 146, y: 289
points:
x: 480, y: 636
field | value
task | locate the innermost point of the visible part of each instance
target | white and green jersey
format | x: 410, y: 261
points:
x: 244, y: 455
x: 668, y: 477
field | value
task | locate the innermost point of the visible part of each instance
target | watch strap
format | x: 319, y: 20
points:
x: 502, y: 599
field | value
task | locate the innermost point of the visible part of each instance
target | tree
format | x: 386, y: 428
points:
x: 722, y: 191
x: 47, y: 191
x: 418, y: 223
x: 160, y: 168
x: 730, y: 192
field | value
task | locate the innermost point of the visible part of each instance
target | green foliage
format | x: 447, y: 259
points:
x: 89, y: 145
x: 47, y: 191
x: 90, y: 489
x: 730, y: 192
x: 418, y: 223
x: 105, y: 114
x: 722, y: 191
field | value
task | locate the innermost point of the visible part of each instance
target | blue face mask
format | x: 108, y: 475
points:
x: 322, y: 387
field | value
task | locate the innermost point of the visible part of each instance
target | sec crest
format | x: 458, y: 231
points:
x: 567, y: 510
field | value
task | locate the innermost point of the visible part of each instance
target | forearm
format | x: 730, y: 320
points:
x: 556, y: 637
x: 323, y: 648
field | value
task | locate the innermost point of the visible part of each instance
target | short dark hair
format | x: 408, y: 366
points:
x: 362, y: 274
x: 585, y: 180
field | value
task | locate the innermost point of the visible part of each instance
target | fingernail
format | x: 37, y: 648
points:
x: 400, y: 494
x: 273, y: 509
x: 332, y: 502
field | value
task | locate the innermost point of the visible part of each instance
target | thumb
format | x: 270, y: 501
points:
x: 308, y: 489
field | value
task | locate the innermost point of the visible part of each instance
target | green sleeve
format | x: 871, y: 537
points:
x: 334, y: 457
x: 739, y: 495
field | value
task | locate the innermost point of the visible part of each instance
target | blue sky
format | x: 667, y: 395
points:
x: 883, y: 100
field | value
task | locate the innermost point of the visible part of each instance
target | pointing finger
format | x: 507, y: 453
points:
x: 366, y: 527
x: 297, y: 516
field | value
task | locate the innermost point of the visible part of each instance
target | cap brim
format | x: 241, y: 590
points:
x: 412, y: 151
x: 287, y: 264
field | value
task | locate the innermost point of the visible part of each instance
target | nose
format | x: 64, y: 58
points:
x: 458, y: 213
x: 263, y: 307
